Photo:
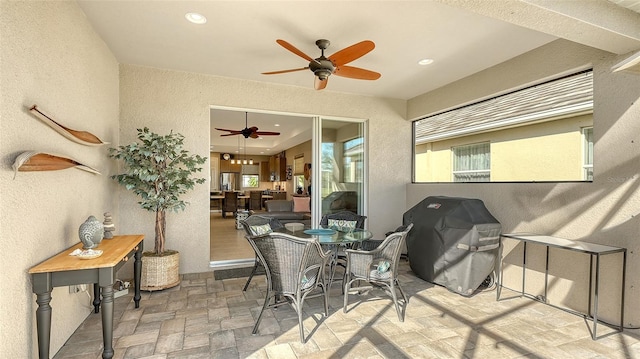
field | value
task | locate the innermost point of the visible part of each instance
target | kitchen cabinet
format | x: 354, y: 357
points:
x: 226, y: 166
x: 265, y: 172
x: 278, y: 167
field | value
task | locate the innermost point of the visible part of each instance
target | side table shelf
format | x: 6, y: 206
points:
x: 65, y: 270
x: 593, y: 249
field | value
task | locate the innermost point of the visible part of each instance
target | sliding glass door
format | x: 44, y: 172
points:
x: 339, y: 179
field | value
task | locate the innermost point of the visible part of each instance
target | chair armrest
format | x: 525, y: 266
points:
x: 314, y: 264
x: 359, y: 262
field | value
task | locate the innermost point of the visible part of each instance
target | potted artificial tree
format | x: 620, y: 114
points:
x: 159, y: 171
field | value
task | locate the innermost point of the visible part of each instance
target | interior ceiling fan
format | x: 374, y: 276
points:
x: 248, y: 131
x: 323, y: 66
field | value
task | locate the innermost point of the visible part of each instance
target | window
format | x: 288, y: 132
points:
x: 472, y: 163
x: 353, y: 163
x: 250, y: 181
x: 587, y: 158
x: 329, y: 182
x: 540, y: 133
x: 298, y: 182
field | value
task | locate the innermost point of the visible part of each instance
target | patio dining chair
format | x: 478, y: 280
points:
x: 378, y: 267
x: 371, y: 244
x: 341, y: 220
x: 255, y: 226
x: 294, y: 268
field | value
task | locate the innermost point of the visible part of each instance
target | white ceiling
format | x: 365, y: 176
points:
x: 239, y: 39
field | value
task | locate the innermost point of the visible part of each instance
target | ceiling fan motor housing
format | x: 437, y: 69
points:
x: 322, y: 67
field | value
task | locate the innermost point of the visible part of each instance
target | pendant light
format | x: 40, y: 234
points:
x: 244, y: 161
x: 233, y: 160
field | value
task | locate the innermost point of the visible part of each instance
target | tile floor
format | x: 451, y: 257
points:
x: 207, y: 318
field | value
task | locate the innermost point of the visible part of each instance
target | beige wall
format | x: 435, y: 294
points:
x: 171, y: 100
x: 549, y: 151
x: 50, y: 57
x: 605, y: 211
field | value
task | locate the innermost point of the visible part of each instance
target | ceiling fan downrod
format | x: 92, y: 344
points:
x: 322, y: 67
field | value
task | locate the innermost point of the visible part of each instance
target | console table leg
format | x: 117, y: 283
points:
x: 524, y: 265
x: 96, y: 298
x: 137, y: 273
x: 595, y: 297
x: 107, y: 321
x: 624, y: 275
x: 43, y: 322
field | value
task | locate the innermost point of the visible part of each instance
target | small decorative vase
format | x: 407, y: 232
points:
x: 91, y: 232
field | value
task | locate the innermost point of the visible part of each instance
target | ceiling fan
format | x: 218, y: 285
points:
x: 248, y: 131
x: 323, y: 67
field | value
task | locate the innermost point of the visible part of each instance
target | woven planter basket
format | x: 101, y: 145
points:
x: 160, y: 273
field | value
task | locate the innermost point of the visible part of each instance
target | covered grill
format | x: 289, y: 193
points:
x: 455, y: 242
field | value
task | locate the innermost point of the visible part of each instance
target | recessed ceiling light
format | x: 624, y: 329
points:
x: 425, y: 62
x: 277, y: 125
x: 195, y: 18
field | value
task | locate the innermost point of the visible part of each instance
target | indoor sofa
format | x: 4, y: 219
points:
x: 286, y: 211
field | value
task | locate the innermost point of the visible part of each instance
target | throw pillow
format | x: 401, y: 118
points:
x: 341, y: 223
x: 261, y: 229
x: 301, y: 204
x: 383, y: 266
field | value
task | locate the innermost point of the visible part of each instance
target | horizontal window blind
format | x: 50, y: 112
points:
x: 298, y: 165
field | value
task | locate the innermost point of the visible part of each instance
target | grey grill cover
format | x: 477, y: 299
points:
x: 455, y: 242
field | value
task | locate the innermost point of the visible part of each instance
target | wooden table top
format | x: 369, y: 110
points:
x: 113, y: 251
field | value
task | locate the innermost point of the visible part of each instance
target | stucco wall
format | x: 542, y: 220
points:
x: 605, y: 211
x: 171, y: 100
x: 50, y: 57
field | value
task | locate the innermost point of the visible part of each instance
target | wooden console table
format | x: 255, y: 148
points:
x: 593, y: 249
x: 65, y: 270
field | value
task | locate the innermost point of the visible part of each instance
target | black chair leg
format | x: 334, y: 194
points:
x: 253, y: 272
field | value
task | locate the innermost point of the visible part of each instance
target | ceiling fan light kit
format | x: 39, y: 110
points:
x: 323, y: 67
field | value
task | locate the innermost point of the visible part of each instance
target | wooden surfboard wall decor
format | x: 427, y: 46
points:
x: 38, y: 161
x: 81, y: 137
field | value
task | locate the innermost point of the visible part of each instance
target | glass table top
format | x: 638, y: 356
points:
x: 326, y: 235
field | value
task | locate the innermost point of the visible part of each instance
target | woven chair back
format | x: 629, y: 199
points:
x: 291, y: 262
x: 391, y: 247
x: 257, y: 220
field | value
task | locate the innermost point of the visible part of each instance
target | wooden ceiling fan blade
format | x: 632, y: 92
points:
x: 352, y: 52
x: 224, y: 129
x: 285, y: 71
x: 320, y: 84
x: 356, y: 73
x: 267, y: 133
x: 231, y: 134
x: 293, y: 49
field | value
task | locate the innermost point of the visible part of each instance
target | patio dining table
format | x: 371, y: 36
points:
x: 332, y: 238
